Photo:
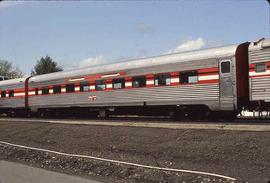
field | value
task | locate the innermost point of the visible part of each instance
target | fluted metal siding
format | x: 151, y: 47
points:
x: 258, y: 56
x: 227, y: 103
x: 11, y: 85
x: 169, y: 95
x: 260, y: 88
x: 11, y: 102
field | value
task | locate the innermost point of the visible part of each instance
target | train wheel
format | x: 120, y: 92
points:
x: 41, y: 114
x: 176, y: 115
x: 103, y: 114
x: 11, y: 114
x: 213, y: 116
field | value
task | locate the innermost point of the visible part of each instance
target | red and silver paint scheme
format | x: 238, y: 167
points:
x: 224, y: 81
x: 259, y: 71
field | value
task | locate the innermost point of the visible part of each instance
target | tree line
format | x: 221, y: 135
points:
x: 43, y: 66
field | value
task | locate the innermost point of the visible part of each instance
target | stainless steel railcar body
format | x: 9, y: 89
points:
x: 259, y: 72
x: 12, y: 94
x: 213, y: 88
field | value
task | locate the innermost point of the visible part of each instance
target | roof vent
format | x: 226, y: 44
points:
x: 258, y: 41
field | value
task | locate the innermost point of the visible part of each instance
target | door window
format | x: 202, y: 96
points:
x: 225, y: 67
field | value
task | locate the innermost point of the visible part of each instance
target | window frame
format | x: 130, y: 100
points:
x: 123, y: 83
x: 157, y: 78
x: 259, y: 64
x: 140, y: 86
x: 43, y: 89
x: 68, y: 89
x: 84, y: 84
x: 58, y: 87
x: 103, y: 83
x: 11, y: 93
x: 181, y: 79
x: 221, y: 68
x: 3, y: 94
x: 36, y: 91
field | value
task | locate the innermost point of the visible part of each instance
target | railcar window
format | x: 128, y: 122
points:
x: 36, y: 91
x: 261, y: 67
x: 139, y: 81
x: 11, y: 93
x: 100, y: 85
x: 56, y: 89
x: 84, y: 86
x: 118, y: 83
x: 225, y: 67
x: 188, y: 77
x: 3, y: 94
x: 162, y: 79
x: 45, y: 91
x: 70, y: 88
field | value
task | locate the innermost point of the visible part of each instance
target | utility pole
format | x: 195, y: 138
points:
x: 269, y: 16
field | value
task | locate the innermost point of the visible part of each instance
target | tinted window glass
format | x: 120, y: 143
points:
x: 100, y: 85
x: 119, y: 83
x: 84, y: 86
x: 11, y: 93
x: 139, y: 81
x: 45, y: 91
x: 70, y: 88
x: 56, y: 89
x: 36, y: 91
x: 261, y: 67
x: 3, y: 94
x: 188, y: 77
x: 162, y: 79
x: 225, y: 67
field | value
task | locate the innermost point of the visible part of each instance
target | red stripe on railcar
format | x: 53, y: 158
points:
x: 208, y: 81
x: 264, y: 75
x: 208, y: 70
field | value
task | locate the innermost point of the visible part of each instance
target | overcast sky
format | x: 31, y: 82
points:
x: 80, y: 34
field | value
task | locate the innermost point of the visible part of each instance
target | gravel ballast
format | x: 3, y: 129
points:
x: 242, y: 155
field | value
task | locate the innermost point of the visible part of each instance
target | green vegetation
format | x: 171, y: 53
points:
x: 45, y: 65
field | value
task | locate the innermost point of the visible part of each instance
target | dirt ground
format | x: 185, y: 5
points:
x: 242, y: 155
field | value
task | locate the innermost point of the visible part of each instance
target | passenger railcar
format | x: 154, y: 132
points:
x: 199, y: 83
x: 12, y: 96
x: 259, y: 74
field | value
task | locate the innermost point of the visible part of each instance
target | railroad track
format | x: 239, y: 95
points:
x: 240, y: 124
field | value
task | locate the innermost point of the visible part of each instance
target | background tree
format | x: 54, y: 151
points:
x: 7, y: 69
x: 45, y: 65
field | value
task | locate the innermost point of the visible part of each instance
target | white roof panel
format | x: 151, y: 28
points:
x: 225, y: 51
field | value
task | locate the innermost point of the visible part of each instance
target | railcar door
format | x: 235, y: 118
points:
x: 226, y: 84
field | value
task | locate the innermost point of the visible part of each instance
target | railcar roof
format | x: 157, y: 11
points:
x: 260, y: 44
x: 12, y: 81
x: 216, y: 52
